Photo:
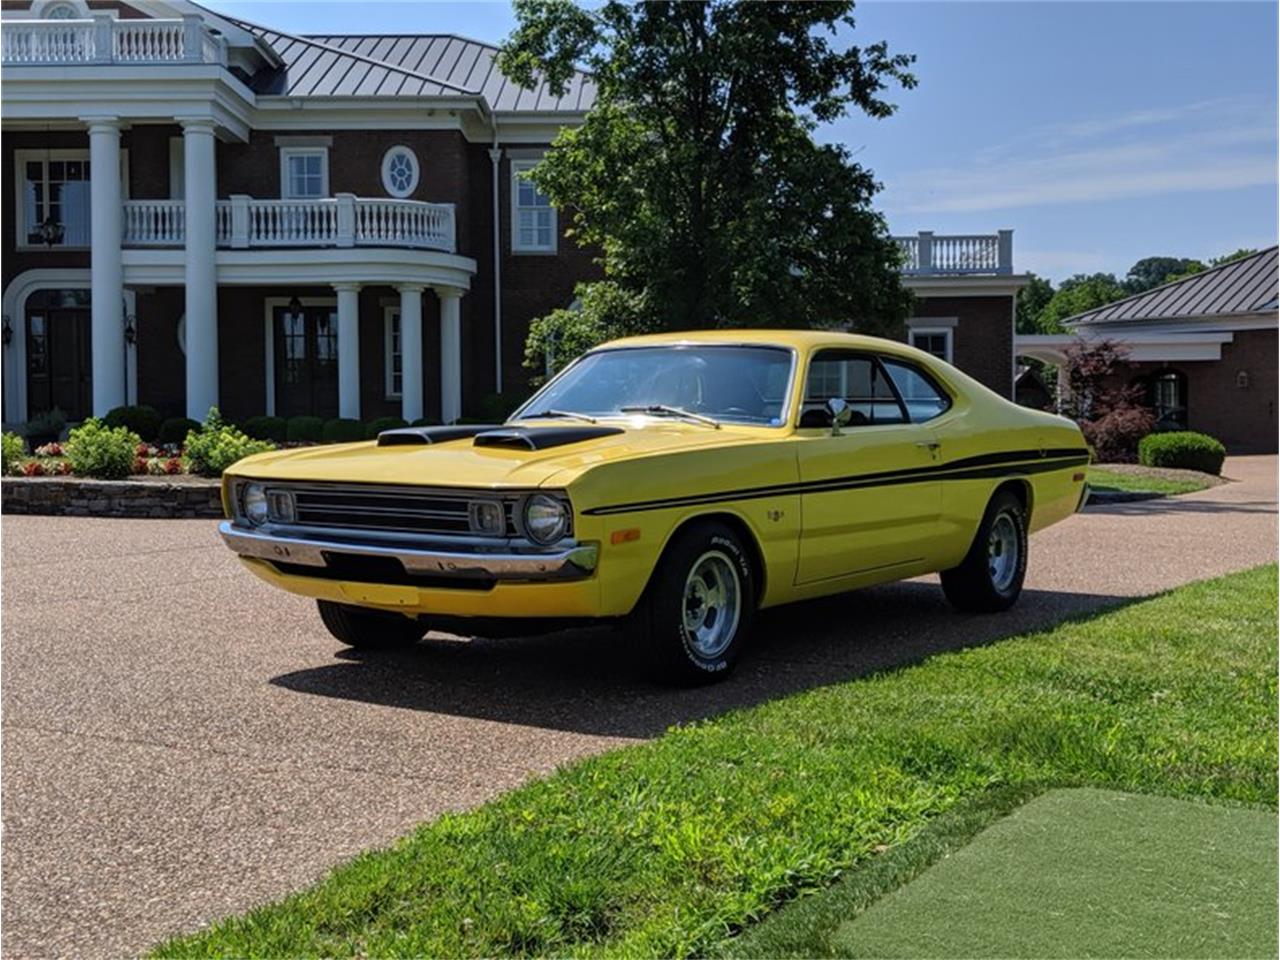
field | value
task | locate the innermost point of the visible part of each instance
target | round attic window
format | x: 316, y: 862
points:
x: 399, y: 171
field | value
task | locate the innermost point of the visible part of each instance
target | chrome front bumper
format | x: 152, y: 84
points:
x: 571, y: 562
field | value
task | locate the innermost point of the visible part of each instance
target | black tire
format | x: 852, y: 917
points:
x: 658, y: 629
x: 369, y: 629
x: 983, y: 583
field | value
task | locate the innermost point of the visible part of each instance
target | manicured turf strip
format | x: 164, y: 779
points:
x: 1090, y: 873
x: 1118, y: 481
x: 668, y: 847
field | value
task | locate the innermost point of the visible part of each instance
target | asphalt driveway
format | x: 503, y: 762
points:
x: 181, y: 742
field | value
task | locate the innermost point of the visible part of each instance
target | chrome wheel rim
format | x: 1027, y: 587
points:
x: 712, y: 604
x: 1002, y: 552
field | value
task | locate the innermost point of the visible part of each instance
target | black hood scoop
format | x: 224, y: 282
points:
x: 420, y: 436
x: 540, y: 438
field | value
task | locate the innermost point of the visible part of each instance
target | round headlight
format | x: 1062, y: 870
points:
x: 254, y: 504
x: 546, y: 519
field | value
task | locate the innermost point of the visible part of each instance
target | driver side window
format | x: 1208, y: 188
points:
x: 859, y: 380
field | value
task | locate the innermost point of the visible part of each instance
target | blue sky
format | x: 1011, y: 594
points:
x: 1099, y: 132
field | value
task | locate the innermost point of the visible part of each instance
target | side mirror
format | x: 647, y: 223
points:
x: 840, y: 414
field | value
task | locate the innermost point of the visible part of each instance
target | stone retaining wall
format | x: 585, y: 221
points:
x: 76, y: 497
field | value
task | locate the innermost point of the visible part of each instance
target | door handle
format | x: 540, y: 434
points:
x: 933, y: 446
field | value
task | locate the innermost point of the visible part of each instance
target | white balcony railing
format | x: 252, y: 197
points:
x: 103, y: 40
x: 932, y: 254
x: 342, y: 221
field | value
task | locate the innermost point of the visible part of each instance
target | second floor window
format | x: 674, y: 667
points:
x: 304, y: 173
x: 57, y: 188
x: 534, y: 219
x: 935, y: 341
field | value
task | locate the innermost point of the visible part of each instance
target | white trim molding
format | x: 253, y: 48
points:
x: 389, y: 158
x: 390, y: 320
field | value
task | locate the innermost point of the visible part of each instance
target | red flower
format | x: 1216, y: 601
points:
x: 33, y: 468
x: 173, y: 465
x: 139, y: 465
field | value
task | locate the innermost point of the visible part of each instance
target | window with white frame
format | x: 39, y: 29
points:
x: 400, y: 171
x: 393, y: 370
x: 54, y: 184
x: 304, y: 173
x: 533, y: 219
x: 933, y: 340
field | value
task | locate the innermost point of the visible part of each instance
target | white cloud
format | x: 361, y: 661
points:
x: 1212, y: 145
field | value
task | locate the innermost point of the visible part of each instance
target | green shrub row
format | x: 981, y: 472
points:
x: 218, y: 444
x: 14, y: 448
x: 307, y: 429
x: 96, y: 449
x: 1182, y: 449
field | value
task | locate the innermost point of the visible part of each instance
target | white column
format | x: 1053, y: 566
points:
x: 450, y: 353
x: 200, y: 172
x: 107, y: 336
x: 348, y: 349
x: 411, y: 352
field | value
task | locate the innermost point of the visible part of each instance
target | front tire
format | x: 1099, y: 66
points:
x: 369, y: 629
x: 690, y: 625
x: 990, y: 577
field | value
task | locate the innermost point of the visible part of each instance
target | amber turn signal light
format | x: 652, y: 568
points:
x: 624, y: 536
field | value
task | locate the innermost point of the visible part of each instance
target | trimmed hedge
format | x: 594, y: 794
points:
x: 305, y: 430
x: 1183, y: 449
x: 375, y: 427
x: 342, y: 430
x: 267, y: 428
x: 143, y: 420
x: 175, y: 430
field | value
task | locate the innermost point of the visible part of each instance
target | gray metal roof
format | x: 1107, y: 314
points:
x: 424, y: 65
x: 1244, y: 286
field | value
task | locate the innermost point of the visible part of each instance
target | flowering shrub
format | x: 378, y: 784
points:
x: 96, y: 450
x: 50, y: 450
x: 164, y: 466
x: 13, y: 449
x: 218, y: 444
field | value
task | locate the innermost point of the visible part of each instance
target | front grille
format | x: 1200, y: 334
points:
x: 391, y: 509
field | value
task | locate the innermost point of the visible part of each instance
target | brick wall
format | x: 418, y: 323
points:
x: 1243, y: 418
x: 982, y: 342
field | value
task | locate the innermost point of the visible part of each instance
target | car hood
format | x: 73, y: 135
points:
x: 461, y: 463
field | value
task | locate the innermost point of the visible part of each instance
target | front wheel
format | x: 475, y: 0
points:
x: 691, y: 623
x: 990, y: 577
x: 369, y: 629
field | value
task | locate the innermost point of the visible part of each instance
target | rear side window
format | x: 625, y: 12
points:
x: 856, y: 378
x: 923, y: 397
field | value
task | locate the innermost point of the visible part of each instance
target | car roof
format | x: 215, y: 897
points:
x: 795, y: 339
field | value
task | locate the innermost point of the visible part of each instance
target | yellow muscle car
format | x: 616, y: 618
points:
x: 675, y: 484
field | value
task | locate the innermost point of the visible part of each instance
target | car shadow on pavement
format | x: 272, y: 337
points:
x: 579, y: 680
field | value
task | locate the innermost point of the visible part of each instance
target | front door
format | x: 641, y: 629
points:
x: 59, y: 368
x: 868, y: 502
x: 306, y: 361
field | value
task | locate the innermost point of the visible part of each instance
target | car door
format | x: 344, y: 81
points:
x: 868, y: 502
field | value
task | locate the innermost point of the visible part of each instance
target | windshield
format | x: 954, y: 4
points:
x: 730, y: 384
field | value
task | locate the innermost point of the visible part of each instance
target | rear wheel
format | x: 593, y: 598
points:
x: 691, y: 623
x: 369, y: 629
x: 990, y: 577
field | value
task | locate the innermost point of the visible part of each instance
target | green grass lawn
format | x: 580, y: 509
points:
x: 1136, y: 480
x: 1083, y: 873
x: 669, y: 847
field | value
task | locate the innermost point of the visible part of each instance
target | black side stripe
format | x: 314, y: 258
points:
x: 992, y: 465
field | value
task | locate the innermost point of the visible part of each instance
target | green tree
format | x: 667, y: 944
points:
x: 1032, y: 299
x: 1076, y: 295
x: 696, y: 173
x: 1231, y: 257
x: 1151, y: 272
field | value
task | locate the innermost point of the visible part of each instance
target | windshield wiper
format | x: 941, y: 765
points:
x: 560, y: 413
x: 665, y: 410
